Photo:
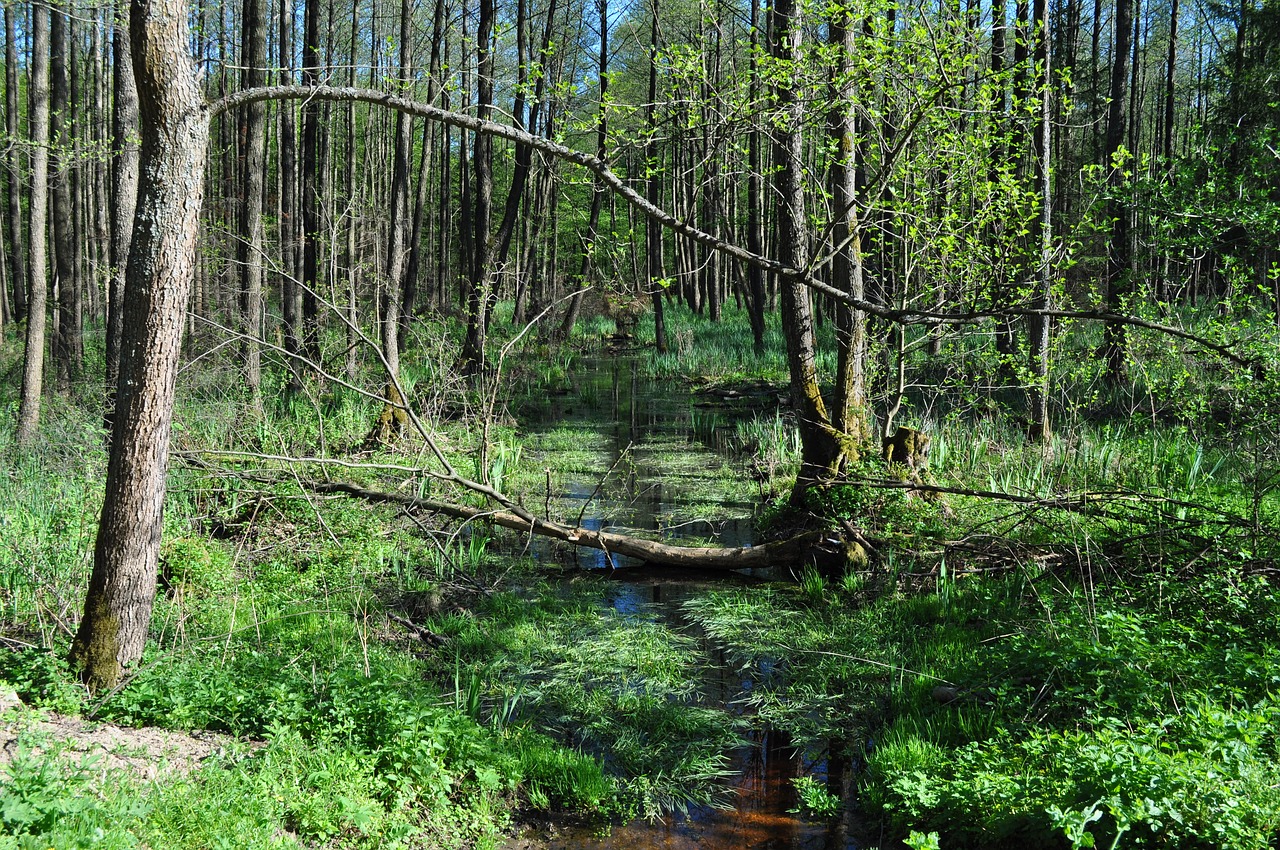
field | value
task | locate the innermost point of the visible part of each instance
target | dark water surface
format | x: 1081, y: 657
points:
x: 643, y: 457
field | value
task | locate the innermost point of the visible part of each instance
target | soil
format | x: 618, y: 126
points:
x: 147, y: 753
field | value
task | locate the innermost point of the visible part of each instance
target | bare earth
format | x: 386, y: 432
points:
x: 147, y: 753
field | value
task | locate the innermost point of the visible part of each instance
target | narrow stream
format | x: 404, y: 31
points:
x: 639, y: 458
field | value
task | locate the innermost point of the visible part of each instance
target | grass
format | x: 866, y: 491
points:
x: 1107, y: 672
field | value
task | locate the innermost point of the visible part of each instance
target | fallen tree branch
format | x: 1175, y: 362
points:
x: 792, y: 552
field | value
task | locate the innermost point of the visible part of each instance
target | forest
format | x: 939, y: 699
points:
x: 603, y: 424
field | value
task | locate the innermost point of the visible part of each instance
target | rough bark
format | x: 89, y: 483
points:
x: 175, y: 124
x: 37, y: 300
x: 249, y: 247
x: 822, y: 452
x: 399, y: 224
x: 124, y: 196
x: 850, y: 410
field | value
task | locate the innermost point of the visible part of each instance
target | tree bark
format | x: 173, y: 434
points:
x: 18, y: 266
x: 175, y: 124
x: 68, y: 338
x: 1038, y: 387
x: 312, y: 191
x: 850, y: 413
x: 822, y: 452
x: 597, y: 189
x: 37, y: 302
x: 399, y: 224
x: 291, y: 305
x: 473, y: 347
x: 250, y: 247
x: 124, y: 196
x: 653, y: 189
x: 1119, y: 259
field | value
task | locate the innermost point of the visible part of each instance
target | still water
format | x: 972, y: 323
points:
x: 643, y: 456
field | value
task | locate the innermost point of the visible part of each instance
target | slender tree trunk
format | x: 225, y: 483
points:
x: 598, y: 190
x: 250, y: 247
x: 755, y: 194
x: 1038, y: 386
x: 850, y: 413
x: 653, y: 190
x: 473, y: 347
x: 1119, y: 257
x: 69, y: 338
x: 162, y: 259
x: 37, y: 302
x: 821, y: 451
x: 124, y: 195
x: 18, y: 266
x: 399, y: 224
x: 312, y: 189
x: 291, y: 305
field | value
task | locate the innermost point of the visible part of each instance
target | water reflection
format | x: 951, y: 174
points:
x: 672, y: 466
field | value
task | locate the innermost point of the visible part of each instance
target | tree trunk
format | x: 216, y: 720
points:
x: 850, y: 413
x: 311, y: 187
x: 162, y: 259
x: 473, y: 347
x: 1117, y: 212
x: 124, y: 196
x: 822, y: 453
x: 249, y: 247
x: 755, y: 195
x: 69, y: 337
x: 291, y: 305
x: 399, y: 224
x: 1038, y: 386
x: 18, y: 266
x: 597, y: 189
x: 37, y: 301
x: 653, y: 189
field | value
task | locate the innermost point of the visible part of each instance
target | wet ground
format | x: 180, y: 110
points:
x: 640, y: 456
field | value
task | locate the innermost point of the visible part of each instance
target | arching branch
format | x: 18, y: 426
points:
x: 616, y: 184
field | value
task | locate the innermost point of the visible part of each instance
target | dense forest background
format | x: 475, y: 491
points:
x: 966, y: 314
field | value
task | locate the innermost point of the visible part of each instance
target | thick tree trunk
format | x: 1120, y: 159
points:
x: 162, y: 260
x: 37, y: 301
x: 124, y: 196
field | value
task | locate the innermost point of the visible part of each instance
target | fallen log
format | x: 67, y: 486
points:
x: 795, y: 551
